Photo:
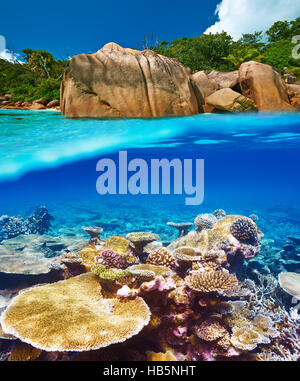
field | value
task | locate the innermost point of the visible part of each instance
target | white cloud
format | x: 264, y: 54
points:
x: 247, y: 16
x: 9, y: 56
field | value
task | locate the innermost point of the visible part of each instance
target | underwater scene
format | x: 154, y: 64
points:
x: 199, y: 264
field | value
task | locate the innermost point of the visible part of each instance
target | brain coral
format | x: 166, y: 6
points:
x: 211, y: 281
x: 244, y: 230
x: 161, y: 257
x: 72, y: 315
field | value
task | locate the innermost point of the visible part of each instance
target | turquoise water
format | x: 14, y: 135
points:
x: 252, y: 165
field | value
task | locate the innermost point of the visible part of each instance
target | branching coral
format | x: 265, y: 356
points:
x: 162, y: 257
x: 72, y: 315
x: 211, y: 281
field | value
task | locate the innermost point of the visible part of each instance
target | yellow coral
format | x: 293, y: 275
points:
x: 88, y: 254
x: 211, y: 281
x: 160, y: 356
x: 119, y: 244
x: 24, y: 352
x: 72, y: 315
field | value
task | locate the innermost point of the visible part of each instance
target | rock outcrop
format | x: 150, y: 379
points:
x: 265, y: 86
x: 118, y: 82
x: 205, y: 85
x: 225, y: 80
x: 229, y: 100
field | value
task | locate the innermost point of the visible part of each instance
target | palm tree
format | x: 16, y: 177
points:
x: 243, y: 55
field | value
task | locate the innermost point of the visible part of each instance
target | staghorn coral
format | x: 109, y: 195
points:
x: 245, y: 230
x: 211, y: 281
x: 110, y: 259
x: 140, y: 240
x: 72, y: 315
x: 205, y: 221
x: 162, y: 257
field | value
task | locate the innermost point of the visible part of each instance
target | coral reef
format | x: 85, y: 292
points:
x: 190, y: 301
x: 37, y: 223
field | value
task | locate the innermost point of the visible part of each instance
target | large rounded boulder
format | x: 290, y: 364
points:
x: 118, y: 82
x: 265, y: 86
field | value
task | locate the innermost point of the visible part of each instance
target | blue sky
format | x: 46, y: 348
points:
x: 71, y: 27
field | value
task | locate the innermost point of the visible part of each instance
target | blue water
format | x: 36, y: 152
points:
x: 252, y: 165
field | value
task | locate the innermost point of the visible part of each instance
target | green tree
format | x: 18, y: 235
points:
x: 242, y: 55
x: 279, y: 55
x: 253, y: 39
x: 280, y: 30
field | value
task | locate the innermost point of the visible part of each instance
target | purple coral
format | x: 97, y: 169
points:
x: 110, y: 259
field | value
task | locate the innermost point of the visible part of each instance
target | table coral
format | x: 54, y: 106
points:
x: 72, y: 315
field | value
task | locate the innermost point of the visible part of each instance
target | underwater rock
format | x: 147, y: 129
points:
x: 72, y: 315
x: 119, y: 82
x: 264, y: 85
